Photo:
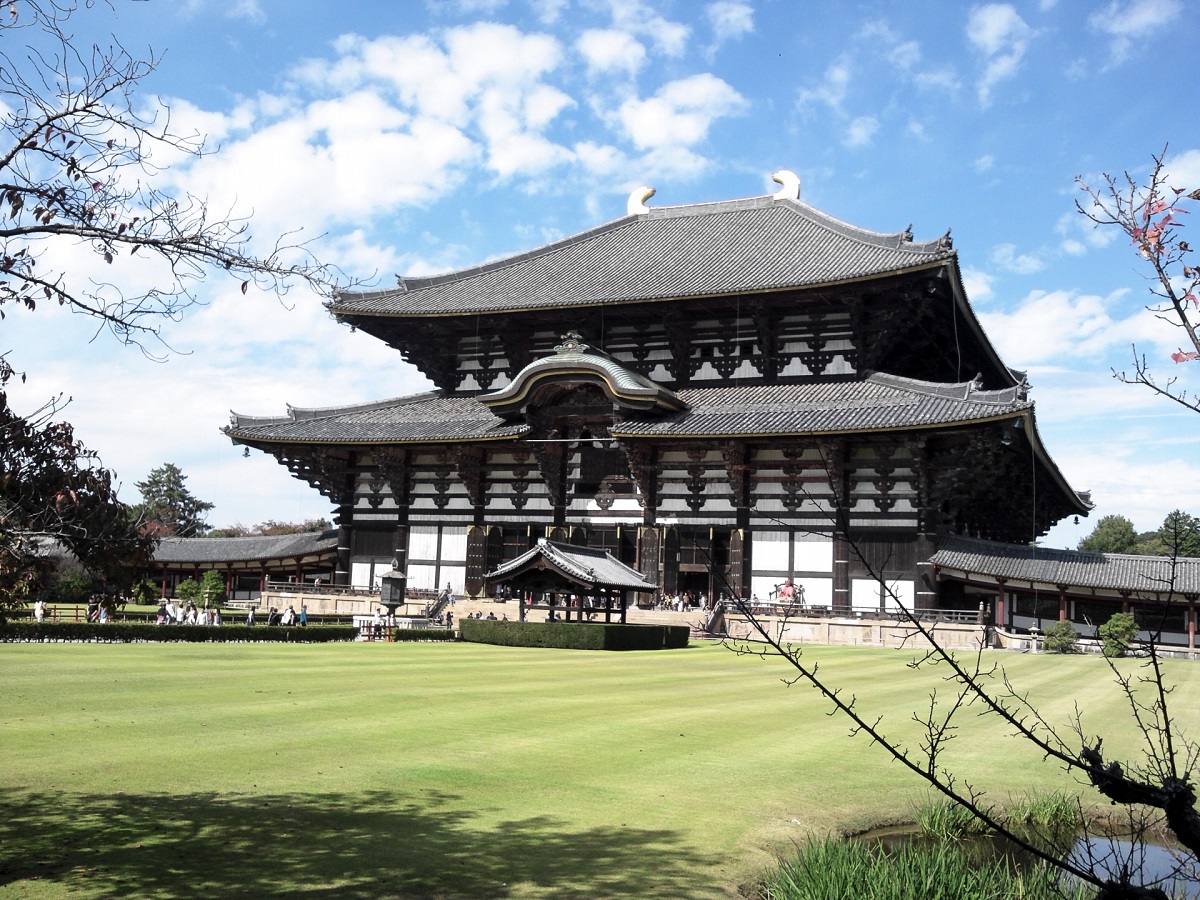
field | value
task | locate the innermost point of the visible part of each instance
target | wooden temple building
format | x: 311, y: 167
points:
x: 720, y: 395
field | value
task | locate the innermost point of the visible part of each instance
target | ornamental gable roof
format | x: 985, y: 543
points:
x: 585, y: 565
x: 702, y: 249
x: 241, y: 549
x: 1072, y: 568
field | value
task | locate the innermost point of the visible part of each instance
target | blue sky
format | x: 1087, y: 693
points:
x: 415, y: 137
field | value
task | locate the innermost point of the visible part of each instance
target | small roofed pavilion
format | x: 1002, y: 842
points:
x: 550, y: 574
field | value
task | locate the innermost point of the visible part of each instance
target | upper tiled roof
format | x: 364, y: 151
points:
x: 879, y: 402
x: 699, y: 249
x: 593, y: 567
x: 1074, y: 568
x: 422, y: 417
x: 241, y: 549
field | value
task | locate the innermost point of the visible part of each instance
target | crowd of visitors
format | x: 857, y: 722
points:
x: 173, y: 613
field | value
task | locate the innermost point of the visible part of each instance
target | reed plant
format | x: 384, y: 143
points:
x: 836, y: 868
x: 941, y: 819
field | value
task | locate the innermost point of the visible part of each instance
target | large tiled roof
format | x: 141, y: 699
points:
x: 422, y: 417
x: 702, y: 249
x: 593, y: 567
x: 1073, y: 568
x: 241, y: 549
x: 879, y: 402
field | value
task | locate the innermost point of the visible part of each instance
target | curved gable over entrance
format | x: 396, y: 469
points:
x: 573, y: 365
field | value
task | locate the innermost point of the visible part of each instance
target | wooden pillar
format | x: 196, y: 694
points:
x: 1191, y: 625
x: 1062, y: 603
x: 1001, y: 612
x: 841, y: 573
x: 341, y: 573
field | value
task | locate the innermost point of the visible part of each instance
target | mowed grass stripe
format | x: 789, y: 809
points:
x: 458, y: 770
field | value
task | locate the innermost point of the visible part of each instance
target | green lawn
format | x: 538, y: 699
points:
x: 432, y: 770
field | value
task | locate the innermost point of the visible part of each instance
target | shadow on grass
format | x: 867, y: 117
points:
x: 374, y: 844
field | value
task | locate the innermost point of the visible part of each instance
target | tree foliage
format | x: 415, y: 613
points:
x: 54, y: 492
x: 271, y: 528
x: 1152, y: 215
x: 1061, y: 637
x: 168, y: 508
x: 1117, y: 634
x: 1112, y: 534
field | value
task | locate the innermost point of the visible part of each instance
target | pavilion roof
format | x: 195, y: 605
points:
x: 693, y: 250
x: 243, y: 549
x: 585, y: 566
x: 1070, y: 568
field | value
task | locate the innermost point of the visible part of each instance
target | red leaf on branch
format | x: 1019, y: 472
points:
x: 1185, y: 357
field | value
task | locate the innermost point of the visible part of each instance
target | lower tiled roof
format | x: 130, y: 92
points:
x: 1072, y: 568
x: 879, y: 402
x: 244, y: 549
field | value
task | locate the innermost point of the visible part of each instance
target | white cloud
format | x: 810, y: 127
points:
x: 1183, y: 169
x: 1002, y: 37
x: 984, y: 163
x: 978, y: 284
x: 831, y: 90
x: 250, y: 10
x: 608, y: 50
x: 900, y: 53
x: 1126, y: 23
x: 730, y: 19
x: 1081, y: 234
x: 680, y: 114
x: 1006, y: 257
x: 860, y: 131
x: 1049, y: 327
x: 641, y: 19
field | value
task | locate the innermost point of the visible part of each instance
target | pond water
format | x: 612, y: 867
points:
x: 1101, y: 854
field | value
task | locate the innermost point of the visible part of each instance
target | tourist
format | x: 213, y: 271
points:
x: 787, y: 592
x: 288, y: 617
x: 180, y: 613
x: 216, y: 618
x: 303, y: 616
x: 39, y: 611
x: 102, y: 614
x: 250, y: 617
x: 162, y: 617
x: 450, y: 620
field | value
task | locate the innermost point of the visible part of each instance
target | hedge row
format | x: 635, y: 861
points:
x: 422, y: 634
x: 124, y: 632
x: 575, y: 635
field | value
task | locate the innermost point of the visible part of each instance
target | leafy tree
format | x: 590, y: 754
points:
x: 188, y: 590
x: 1061, y: 637
x: 212, y: 589
x: 1117, y: 634
x: 1180, y: 534
x: 1112, y: 534
x: 72, y: 586
x: 271, y: 527
x: 54, y: 492
x: 168, y: 508
x: 144, y: 593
